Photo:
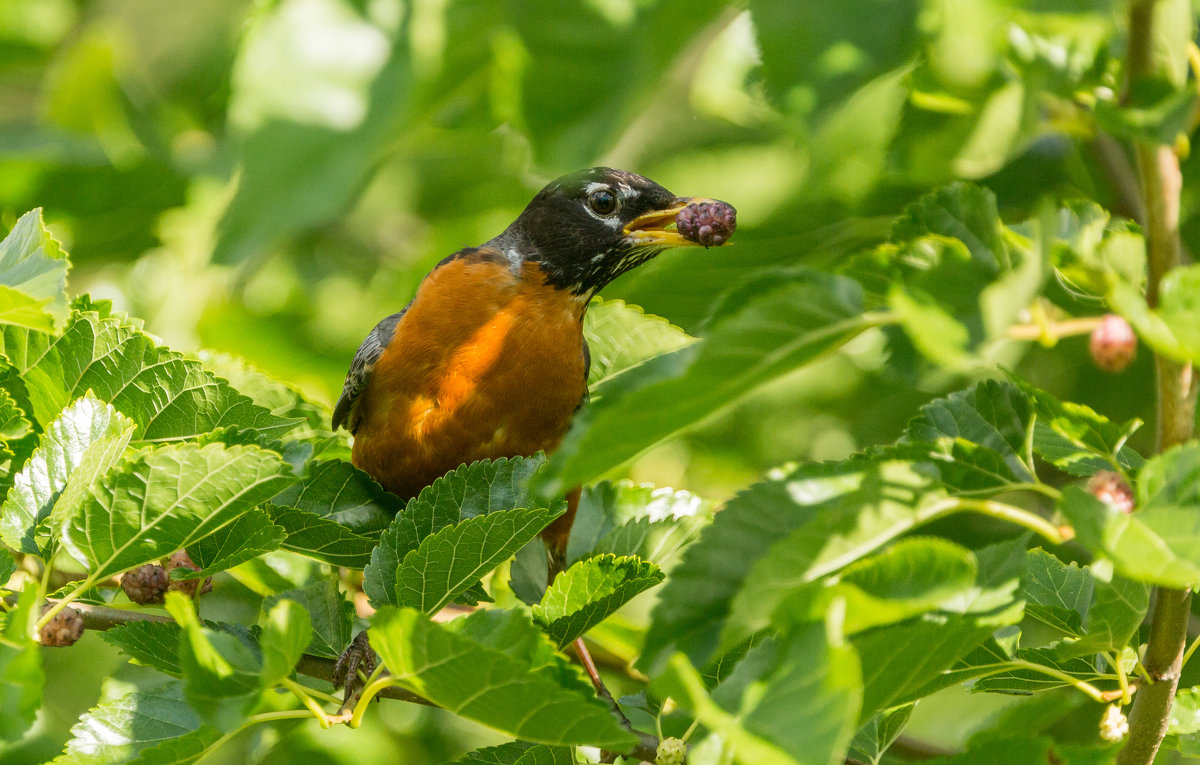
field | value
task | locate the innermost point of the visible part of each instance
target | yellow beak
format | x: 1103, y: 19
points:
x: 657, y: 227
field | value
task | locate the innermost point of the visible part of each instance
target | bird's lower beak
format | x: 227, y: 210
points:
x: 658, y: 228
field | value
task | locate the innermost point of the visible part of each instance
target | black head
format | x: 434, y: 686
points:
x: 587, y: 228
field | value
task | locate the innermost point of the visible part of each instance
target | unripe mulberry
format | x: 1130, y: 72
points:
x: 1114, y: 726
x: 146, y: 584
x: 188, y: 587
x: 1113, y: 344
x: 707, y: 223
x: 1111, y: 489
x: 671, y: 751
x: 63, y: 630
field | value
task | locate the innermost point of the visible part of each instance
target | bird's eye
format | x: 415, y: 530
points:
x: 603, y: 202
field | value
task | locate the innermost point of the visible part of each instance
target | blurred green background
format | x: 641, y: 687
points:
x: 270, y: 178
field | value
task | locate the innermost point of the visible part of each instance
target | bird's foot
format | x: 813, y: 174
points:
x: 353, y: 667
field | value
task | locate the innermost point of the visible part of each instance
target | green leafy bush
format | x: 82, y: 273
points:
x: 941, y: 199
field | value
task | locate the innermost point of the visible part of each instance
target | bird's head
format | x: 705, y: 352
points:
x: 587, y: 228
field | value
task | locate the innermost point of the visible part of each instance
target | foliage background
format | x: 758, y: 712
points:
x: 270, y: 178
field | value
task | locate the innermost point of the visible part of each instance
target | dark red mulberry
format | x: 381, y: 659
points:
x: 1113, y: 344
x: 707, y: 223
x: 63, y: 630
x: 146, y: 584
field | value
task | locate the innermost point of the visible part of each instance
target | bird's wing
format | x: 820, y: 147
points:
x: 360, y: 370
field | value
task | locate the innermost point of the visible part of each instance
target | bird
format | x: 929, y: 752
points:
x: 489, y: 360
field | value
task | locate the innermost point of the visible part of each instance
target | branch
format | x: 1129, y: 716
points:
x: 1161, y: 181
x: 102, y: 618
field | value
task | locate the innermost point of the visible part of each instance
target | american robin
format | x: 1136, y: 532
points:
x: 488, y: 360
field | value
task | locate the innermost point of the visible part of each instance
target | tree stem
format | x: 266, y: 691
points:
x: 1158, y: 170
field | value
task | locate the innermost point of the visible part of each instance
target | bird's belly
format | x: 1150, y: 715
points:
x: 507, y: 389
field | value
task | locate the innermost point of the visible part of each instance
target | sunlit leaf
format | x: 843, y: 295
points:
x: 165, y: 499
x: 169, y: 397
x: 794, y: 318
x: 131, y: 728
x: 468, y: 491
x: 77, y: 448
x: 450, y: 560
x: 589, y: 591
x: 620, y: 336
x: 491, y: 685
x: 913, y: 576
x: 221, y: 674
x: 286, y: 633
x: 33, y: 275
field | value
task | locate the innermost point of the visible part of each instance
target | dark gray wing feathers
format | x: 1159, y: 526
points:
x: 360, y: 370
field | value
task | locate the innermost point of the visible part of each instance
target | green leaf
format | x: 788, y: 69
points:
x: 796, y: 702
x: 331, y: 614
x: 246, y: 538
x: 151, y: 643
x: 169, y: 397
x: 1160, y: 542
x: 1173, y: 326
x: 624, y: 518
x: 454, y: 558
x: 992, y: 414
x: 879, y: 733
x: 139, y: 727
x: 961, y: 211
x: 681, y: 682
x: 337, y: 491
x: 1057, y: 594
x: 8, y: 566
x: 490, y: 685
x: 619, y: 518
x: 278, y: 397
x: 465, y: 492
x: 620, y: 336
x: 793, y: 318
x: 1025, y: 680
x: 77, y: 448
x: 913, y: 576
x: 1077, y: 439
x: 1100, y: 615
x: 21, y: 675
x: 589, y: 591
x: 165, y: 499
x: 24, y: 311
x: 221, y: 673
x: 859, y: 511
x: 33, y: 275
x: 286, y: 632
x: 1185, y: 712
x: 519, y: 753
x: 321, y: 538
x: 904, y: 662
x: 13, y: 424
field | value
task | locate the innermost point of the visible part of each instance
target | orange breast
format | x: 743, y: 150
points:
x: 485, y: 364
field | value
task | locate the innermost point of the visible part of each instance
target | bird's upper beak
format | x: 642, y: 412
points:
x: 657, y: 227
